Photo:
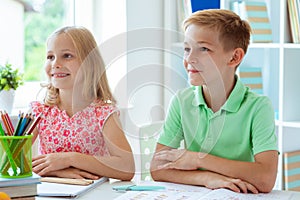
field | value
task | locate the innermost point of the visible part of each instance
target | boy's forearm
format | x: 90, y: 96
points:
x: 208, y: 179
x: 194, y: 177
x: 261, y: 174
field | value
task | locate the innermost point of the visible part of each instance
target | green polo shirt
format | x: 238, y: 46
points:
x: 243, y: 127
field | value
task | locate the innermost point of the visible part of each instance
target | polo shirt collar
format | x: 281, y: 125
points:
x: 236, y: 97
x: 233, y: 102
x: 199, y: 99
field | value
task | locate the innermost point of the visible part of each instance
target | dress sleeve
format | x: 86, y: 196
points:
x: 37, y: 108
x: 104, y: 112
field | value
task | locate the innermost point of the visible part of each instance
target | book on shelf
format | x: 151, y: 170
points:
x: 204, y: 4
x: 252, y: 78
x: 292, y: 170
x: 186, y: 7
x: 256, y: 13
x: 190, y: 6
x: 294, y: 19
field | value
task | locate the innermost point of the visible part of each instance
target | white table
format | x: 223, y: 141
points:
x: 105, y: 191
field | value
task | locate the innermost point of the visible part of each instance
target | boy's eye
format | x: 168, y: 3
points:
x: 204, y: 49
x: 187, y: 49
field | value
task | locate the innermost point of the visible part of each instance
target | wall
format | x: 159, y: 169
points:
x: 144, y: 78
x: 145, y: 59
x: 12, y: 33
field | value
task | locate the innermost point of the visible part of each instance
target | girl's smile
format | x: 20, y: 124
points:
x: 60, y: 75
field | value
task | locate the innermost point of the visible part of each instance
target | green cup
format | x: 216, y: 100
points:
x: 16, y: 156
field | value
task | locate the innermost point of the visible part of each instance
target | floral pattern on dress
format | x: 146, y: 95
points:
x: 80, y: 133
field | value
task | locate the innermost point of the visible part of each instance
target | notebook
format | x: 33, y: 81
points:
x: 47, y: 189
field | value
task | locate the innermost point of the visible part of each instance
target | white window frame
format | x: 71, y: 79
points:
x: 98, y: 17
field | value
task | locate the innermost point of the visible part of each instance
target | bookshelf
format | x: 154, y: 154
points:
x: 280, y: 68
x: 279, y: 61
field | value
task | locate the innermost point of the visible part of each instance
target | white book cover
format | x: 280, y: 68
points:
x: 66, y: 190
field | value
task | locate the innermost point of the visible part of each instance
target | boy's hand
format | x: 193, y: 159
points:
x: 177, y: 159
x: 215, y: 181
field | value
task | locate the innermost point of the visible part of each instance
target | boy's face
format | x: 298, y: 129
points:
x: 204, y: 57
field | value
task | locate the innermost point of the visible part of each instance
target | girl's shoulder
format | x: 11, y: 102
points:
x: 103, y: 105
x: 38, y: 107
x: 105, y: 108
x: 37, y: 104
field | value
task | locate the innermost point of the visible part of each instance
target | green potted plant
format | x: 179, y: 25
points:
x: 10, y: 80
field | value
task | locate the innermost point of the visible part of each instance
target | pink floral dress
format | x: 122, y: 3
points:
x: 80, y: 133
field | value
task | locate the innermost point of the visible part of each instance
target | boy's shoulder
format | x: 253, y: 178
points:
x: 188, y: 96
x: 251, y: 96
x: 187, y: 92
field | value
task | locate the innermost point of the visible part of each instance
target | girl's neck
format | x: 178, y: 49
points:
x: 66, y: 101
x: 72, y: 102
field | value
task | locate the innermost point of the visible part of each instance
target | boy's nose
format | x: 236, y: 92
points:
x: 191, y: 58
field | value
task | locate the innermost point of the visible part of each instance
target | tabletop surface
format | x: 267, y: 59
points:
x: 105, y: 191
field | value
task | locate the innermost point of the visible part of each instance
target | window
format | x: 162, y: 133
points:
x: 32, y: 21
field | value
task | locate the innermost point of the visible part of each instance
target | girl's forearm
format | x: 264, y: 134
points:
x: 109, y: 166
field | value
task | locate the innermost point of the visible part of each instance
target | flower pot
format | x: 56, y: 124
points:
x: 7, y: 100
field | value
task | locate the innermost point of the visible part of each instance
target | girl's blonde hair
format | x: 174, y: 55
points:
x: 233, y: 31
x: 95, y: 84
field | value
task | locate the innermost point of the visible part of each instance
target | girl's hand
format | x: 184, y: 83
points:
x: 215, y: 181
x: 72, y: 173
x: 43, y: 164
x: 181, y: 159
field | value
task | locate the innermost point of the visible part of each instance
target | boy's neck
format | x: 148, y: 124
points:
x: 216, y: 95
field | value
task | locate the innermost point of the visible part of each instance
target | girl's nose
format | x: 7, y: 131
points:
x: 55, y: 64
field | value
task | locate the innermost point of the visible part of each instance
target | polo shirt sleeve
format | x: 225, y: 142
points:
x: 263, y: 127
x: 172, y: 134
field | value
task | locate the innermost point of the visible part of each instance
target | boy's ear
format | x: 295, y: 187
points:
x: 237, y: 57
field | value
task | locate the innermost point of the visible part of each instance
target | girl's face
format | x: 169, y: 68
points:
x: 204, y: 57
x: 62, y: 62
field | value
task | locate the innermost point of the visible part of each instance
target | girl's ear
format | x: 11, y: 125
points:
x: 237, y: 57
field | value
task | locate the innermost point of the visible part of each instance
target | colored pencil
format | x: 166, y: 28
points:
x: 5, y: 145
x: 34, y: 124
x: 23, y: 125
x: 11, y: 127
x: 5, y: 123
x: 19, y: 123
